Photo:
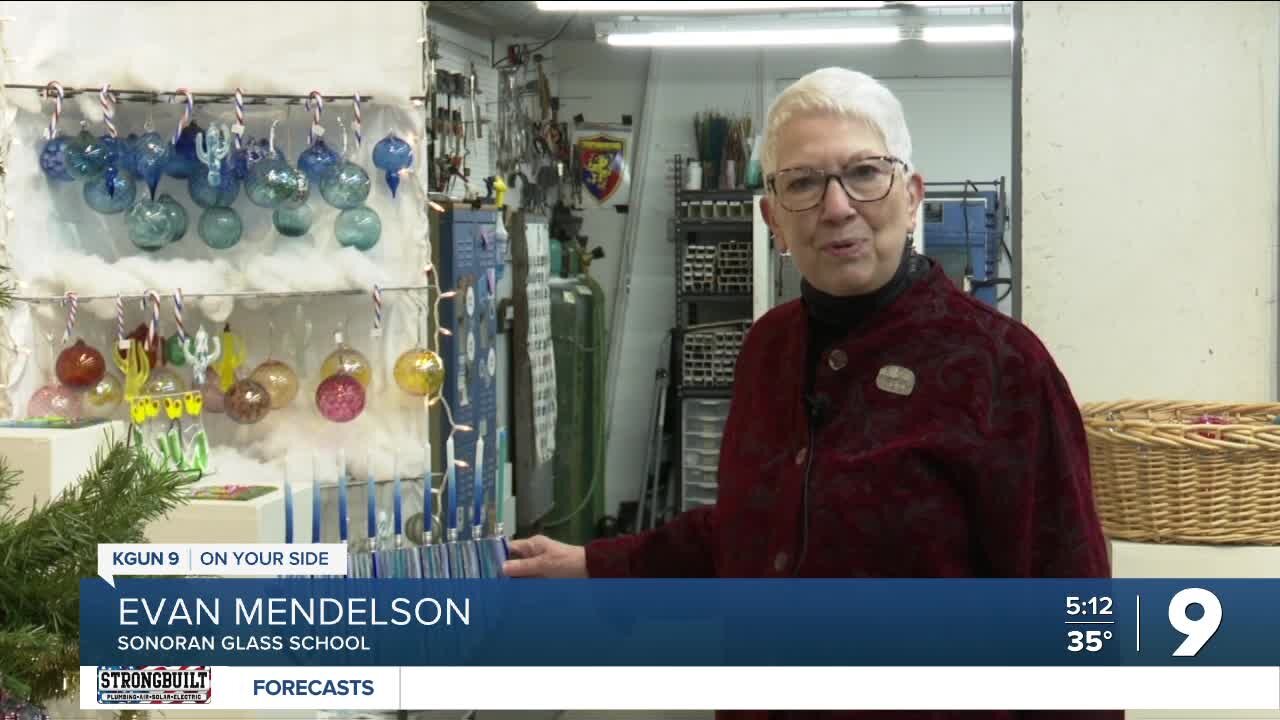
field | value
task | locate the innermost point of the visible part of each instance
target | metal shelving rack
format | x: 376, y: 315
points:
x: 713, y: 286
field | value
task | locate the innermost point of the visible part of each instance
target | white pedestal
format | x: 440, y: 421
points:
x: 51, y: 460
x: 235, y: 521
x: 1139, y: 560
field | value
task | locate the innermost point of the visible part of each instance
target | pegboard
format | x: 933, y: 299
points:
x: 467, y: 260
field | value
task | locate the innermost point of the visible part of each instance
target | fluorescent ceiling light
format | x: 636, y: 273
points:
x: 968, y: 34
x: 760, y: 38
x: 960, y: 3
x: 661, y: 6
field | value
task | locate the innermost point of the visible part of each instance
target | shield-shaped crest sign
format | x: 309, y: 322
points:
x: 601, y: 164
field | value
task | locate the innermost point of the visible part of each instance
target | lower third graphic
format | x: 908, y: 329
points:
x: 154, y: 684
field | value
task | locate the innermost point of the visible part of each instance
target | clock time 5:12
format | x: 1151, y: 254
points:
x: 1077, y: 606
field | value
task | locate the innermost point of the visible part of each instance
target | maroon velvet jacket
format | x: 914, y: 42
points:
x: 979, y: 470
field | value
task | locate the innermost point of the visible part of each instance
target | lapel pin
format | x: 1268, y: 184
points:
x: 896, y: 379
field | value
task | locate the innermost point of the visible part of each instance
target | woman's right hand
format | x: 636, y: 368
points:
x: 542, y: 557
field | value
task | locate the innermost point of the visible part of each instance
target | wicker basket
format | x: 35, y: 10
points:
x: 1200, y: 473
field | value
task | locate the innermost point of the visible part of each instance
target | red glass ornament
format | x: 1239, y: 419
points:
x: 80, y: 366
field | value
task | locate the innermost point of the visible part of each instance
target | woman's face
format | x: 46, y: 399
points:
x: 842, y: 246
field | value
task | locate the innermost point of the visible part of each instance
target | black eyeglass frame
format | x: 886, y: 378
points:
x: 771, y: 181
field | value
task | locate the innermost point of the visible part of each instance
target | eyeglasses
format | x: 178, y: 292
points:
x: 866, y: 180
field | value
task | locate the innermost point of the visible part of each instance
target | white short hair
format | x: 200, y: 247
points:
x: 844, y: 93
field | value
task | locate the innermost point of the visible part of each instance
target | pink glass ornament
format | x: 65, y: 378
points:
x: 340, y: 398
x: 54, y: 401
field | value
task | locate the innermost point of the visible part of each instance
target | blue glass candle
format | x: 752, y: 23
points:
x: 398, y: 514
x: 288, y: 507
x: 342, y: 496
x: 315, y: 502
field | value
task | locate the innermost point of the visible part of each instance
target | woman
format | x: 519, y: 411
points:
x: 886, y: 424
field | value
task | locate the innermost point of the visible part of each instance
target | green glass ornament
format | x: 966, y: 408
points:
x: 346, y: 188
x: 87, y: 156
x: 220, y: 228
x: 293, y: 222
x: 111, y: 193
x: 173, y: 351
x: 272, y: 184
x: 177, y: 217
x: 359, y: 228
x: 150, y: 225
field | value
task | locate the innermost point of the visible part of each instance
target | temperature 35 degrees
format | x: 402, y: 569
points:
x: 1089, y: 621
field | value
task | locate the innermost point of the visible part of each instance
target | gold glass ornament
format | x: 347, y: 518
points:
x: 346, y: 360
x: 280, y: 381
x: 419, y: 372
x: 102, y: 399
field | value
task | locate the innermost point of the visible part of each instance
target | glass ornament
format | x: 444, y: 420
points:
x: 215, y: 400
x: 110, y: 195
x: 347, y: 187
x: 53, y: 159
x: 128, y: 154
x: 153, y: 352
x: 150, y: 224
x: 86, y: 156
x: 272, y: 184
x: 419, y: 372
x: 247, y: 402
x: 163, y: 381
x: 173, y: 351
x: 346, y: 360
x: 80, y: 366
x: 293, y: 222
x: 359, y: 228
x: 105, y: 395
x: 177, y: 217
x: 207, y: 196
x: 182, y: 162
x: 340, y: 398
x: 148, y: 158
x: 280, y: 381
x: 220, y: 228
x: 54, y: 401
x: 392, y: 155
x: 318, y: 160
x: 251, y: 153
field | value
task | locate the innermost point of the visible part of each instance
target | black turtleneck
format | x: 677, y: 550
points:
x: 832, y: 317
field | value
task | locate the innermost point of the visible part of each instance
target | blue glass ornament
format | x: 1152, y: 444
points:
x: 149, y: 158
x: 293, y: 222
x: 110, y: 196
x: 183, y: 162
x: 86, y: 156
x: 177, y: 217
x: 392, y: 155
x: 150, y: 225
x: 272, y: 184
x: 347, y: 187
x: 220, y: 228
x: 207, y: 196
x: 53, y: 159
x: 128, y: 154
x: 359, y: 228
x: 251, y: 153
x: 318, y: 160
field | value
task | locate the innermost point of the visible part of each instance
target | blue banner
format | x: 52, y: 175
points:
x: 337, y: 622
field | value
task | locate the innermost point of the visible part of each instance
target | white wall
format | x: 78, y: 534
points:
x: 1149, y: 217
x: 957, y: 100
